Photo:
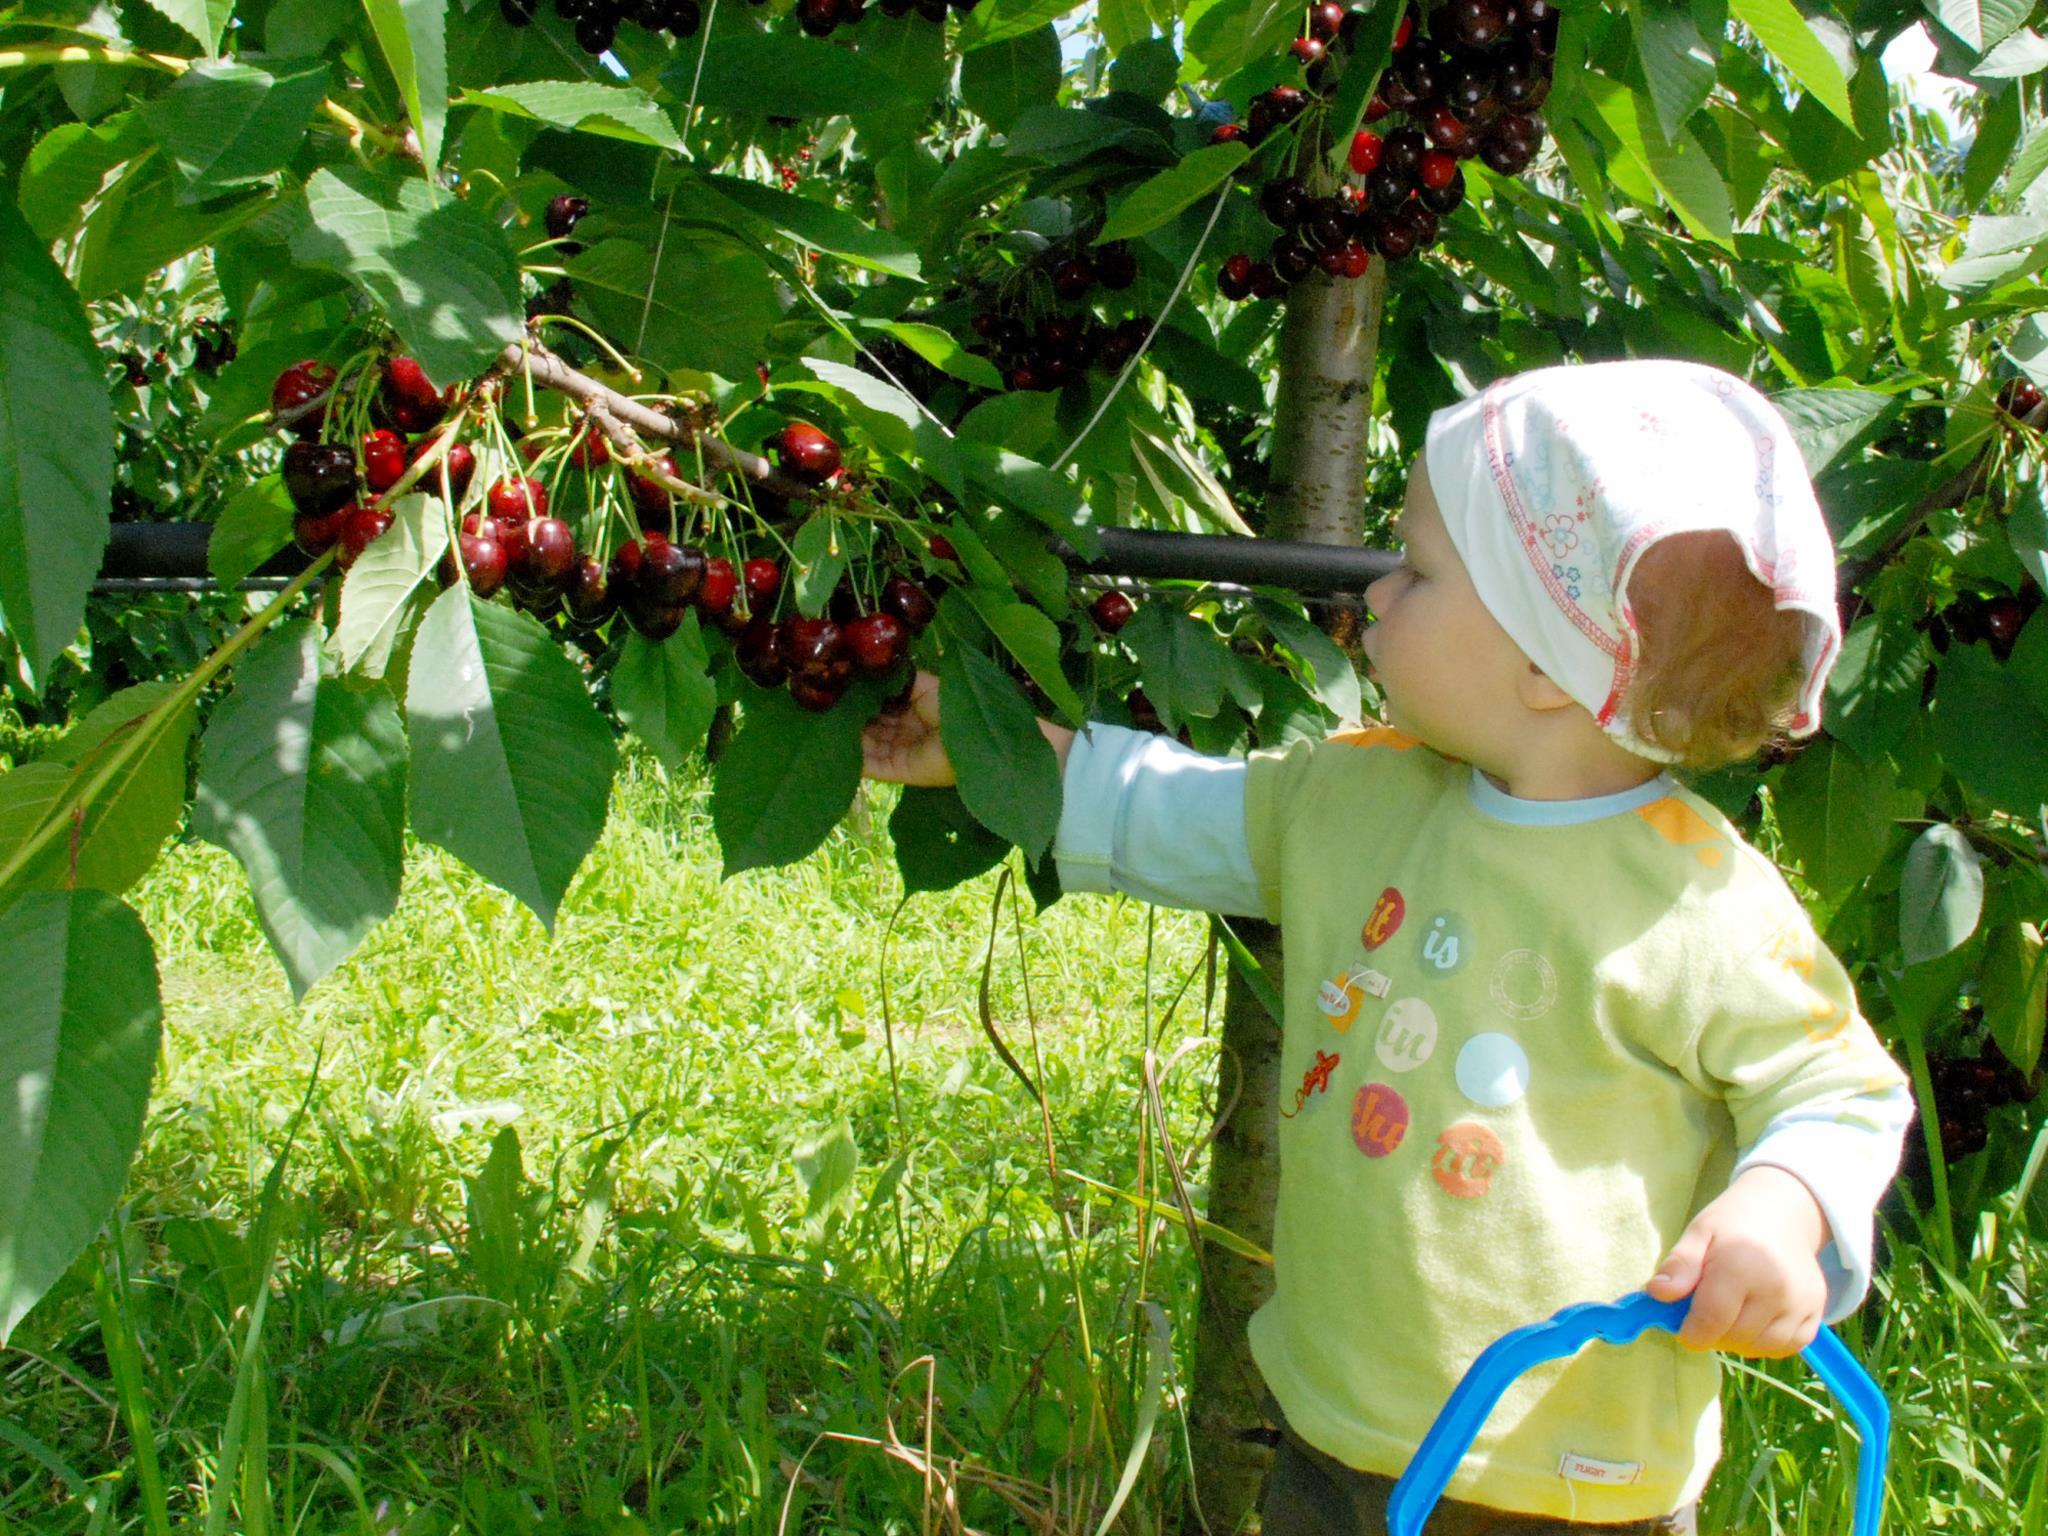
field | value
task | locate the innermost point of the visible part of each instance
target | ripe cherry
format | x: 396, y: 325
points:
x: 1377, y: 108
x: 406, y: 382
x: 383, y: 458
x: 1307, y: 49
x: 483, y: 561
x: 591, y: 450
x: 763, y: 578
x: 1357, y: 259
x: 1111, y: 611
x: 650, y: 496
x: 759, y: 653
x: 816, y: 650
x: 1115, y: 266
x: 1325, y: 19
x: 361, y: 527
x: 296, y: 386
x: 590, y: 599
x: 318, y: 477
x: 563, y: 214
x: 1447, y: 130
x: 1438, y: 170
x: 318, y: 532
x: 1282, y: 199
x: 807, y: 453
x: 878, y: 641
x: 1366, y: 147
x: 1072, y: 279
x: 459, y: 462
x: 1226, y: 133
x: 908, y: 601
x: 2019, y: 397
x: 817, y: 697
x: 1404, y: 33
x: 720, y: 585
x: 550, y: 557
x: 1234, y: 282
x: 517, y: 496
x: 2004, y: 617
x: 942, y: 548
x: 669, y: 574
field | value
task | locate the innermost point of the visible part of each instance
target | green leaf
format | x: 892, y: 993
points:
x: 440, y: 270
x: 2026, y: 530
x: 1990, y: 720
x: 225, y: 125
x: 78, y: 1045
x: 786, y: 779
x: 1874, y: 691
x: 1980, y: 24
x: 1788, y: 39
x: 1331, y: 674
x: 1676, y: 163
x: 1825, y: 421
x: 889, y: 414
x: 1022, y: 420
x: 1155, y: 201
x: 143, y: 223
x: 1998, y: 130
x: 997, y: 21
x: 2015, y: 988
x: 56, y: 449
x: 1998, y: 249
x: 821, y: 227
x: 582, y: 106
x: 1064, y: 134
x: 810, y: 77
x: 665, y: 694
x: 818, y: 559
x: 710, y: 309
x: 1006, y: 769
x: 942, y: 350
x: 377, y: 594
x: 998, y: 82
x: 302, y: 779
x: 1678, y: 62
x: 938, y: 842
x: 1050, y: 498
x: 1146, y: 67
x: 202, y: 20
x: 512, y: 764
x: 250, y: 529
x: 125, y: 824
x: 413, y: 36
x: 1836, y: 814
x: 1182, y: 662
x: 71, y: 165
x: 1941, y: 894
x: 1034, y: 640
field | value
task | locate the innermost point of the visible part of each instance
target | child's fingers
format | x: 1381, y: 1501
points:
x: 1717, y: 1302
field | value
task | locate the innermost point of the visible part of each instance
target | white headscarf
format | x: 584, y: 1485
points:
x: 1553, y: 483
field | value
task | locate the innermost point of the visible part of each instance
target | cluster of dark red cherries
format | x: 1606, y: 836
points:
x: 1467, y: 87
x: 1966, y: 1090
x: 821, y: 18
x: 598, y: 21
x: 1045, y: 352
x: 1995, y: 620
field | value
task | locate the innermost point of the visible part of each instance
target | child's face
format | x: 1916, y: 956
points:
x: 1448, y: 670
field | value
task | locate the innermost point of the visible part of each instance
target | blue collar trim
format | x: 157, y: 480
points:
x: 1502, y: 806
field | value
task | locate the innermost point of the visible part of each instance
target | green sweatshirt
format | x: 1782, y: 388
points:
x: 1518, y: 1060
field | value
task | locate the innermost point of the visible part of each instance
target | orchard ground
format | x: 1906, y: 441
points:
x: 738, y: 1259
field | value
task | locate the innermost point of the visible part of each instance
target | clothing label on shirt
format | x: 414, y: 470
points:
x: 1588, y: 1469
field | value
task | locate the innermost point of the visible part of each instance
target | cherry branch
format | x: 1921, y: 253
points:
x: 615, y: 414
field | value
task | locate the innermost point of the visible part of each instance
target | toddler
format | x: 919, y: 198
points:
x: 1554, y: 1032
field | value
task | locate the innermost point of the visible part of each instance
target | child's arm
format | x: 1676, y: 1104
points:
x: 1139, y: 813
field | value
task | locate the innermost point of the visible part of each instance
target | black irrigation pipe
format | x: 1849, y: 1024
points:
x: 171, y: 557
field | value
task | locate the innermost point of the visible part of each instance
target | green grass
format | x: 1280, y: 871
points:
x: 631, y: 1227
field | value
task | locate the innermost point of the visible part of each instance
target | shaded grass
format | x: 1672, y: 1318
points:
x: 621, y: 1228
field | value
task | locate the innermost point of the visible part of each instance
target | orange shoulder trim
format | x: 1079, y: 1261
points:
x: 1375, y: 736
x: 1683, y: 827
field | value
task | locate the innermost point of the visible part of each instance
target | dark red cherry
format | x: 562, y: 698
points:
x: 808, y: 453
x: 459, y: 461
x: 908, y: 601
x: 318, y: 477
x: 296, y: 386
x: 362, y: 527
x: 383, y: 457
x: 318, y: 532
x: 720, y: 585
x: 1111, y: 611
x: 550, y: 557
x: 669, y: 573
x: 519, y: 496
x: 483, y: 561
x: 763, y: 578
x: 590, y: 599
x: 878, y: 641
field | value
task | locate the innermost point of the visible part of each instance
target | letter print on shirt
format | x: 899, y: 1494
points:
x: 1468, y: 1155
x: 1379, y: 1119
x: 1383, y: 920
x: 1445, y: 944
x: 1315, y: 1081
x: 1524, y: 985
x: 1493, y: 1070
x: 1407, y: 1035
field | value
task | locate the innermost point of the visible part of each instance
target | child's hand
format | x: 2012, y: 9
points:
x: 904, y: 748
x: 1750, y: 1262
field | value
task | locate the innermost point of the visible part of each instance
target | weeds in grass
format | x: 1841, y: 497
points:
x: 665, y: 1223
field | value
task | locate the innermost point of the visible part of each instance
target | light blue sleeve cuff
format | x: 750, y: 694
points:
x: 1846, y: 1153
x: 1144, y: 815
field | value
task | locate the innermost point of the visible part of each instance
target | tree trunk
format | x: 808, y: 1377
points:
x: 1328, y: 344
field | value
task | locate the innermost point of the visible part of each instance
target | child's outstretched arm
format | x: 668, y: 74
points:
x: 1139, y: 813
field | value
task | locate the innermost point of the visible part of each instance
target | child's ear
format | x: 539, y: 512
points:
x: 1538, y: 692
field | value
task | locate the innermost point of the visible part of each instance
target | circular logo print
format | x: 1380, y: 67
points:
x: 1383, y: 920
x: 1493, y: 1070
x: 1445, y: 943
x: 1407, y: 1035
x: 1379, y: 1119
x: 1524, y: 985
x: 1468, y: 1155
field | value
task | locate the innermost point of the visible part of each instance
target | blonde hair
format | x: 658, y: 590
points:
x: 1720, y: 668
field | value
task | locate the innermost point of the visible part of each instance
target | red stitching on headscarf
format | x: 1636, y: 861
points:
x: 1525, y: 529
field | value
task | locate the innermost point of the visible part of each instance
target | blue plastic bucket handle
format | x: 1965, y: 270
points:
x: 1618, y: 1322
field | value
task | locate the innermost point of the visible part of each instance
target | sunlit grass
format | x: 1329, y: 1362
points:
x: 681, y: 1314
